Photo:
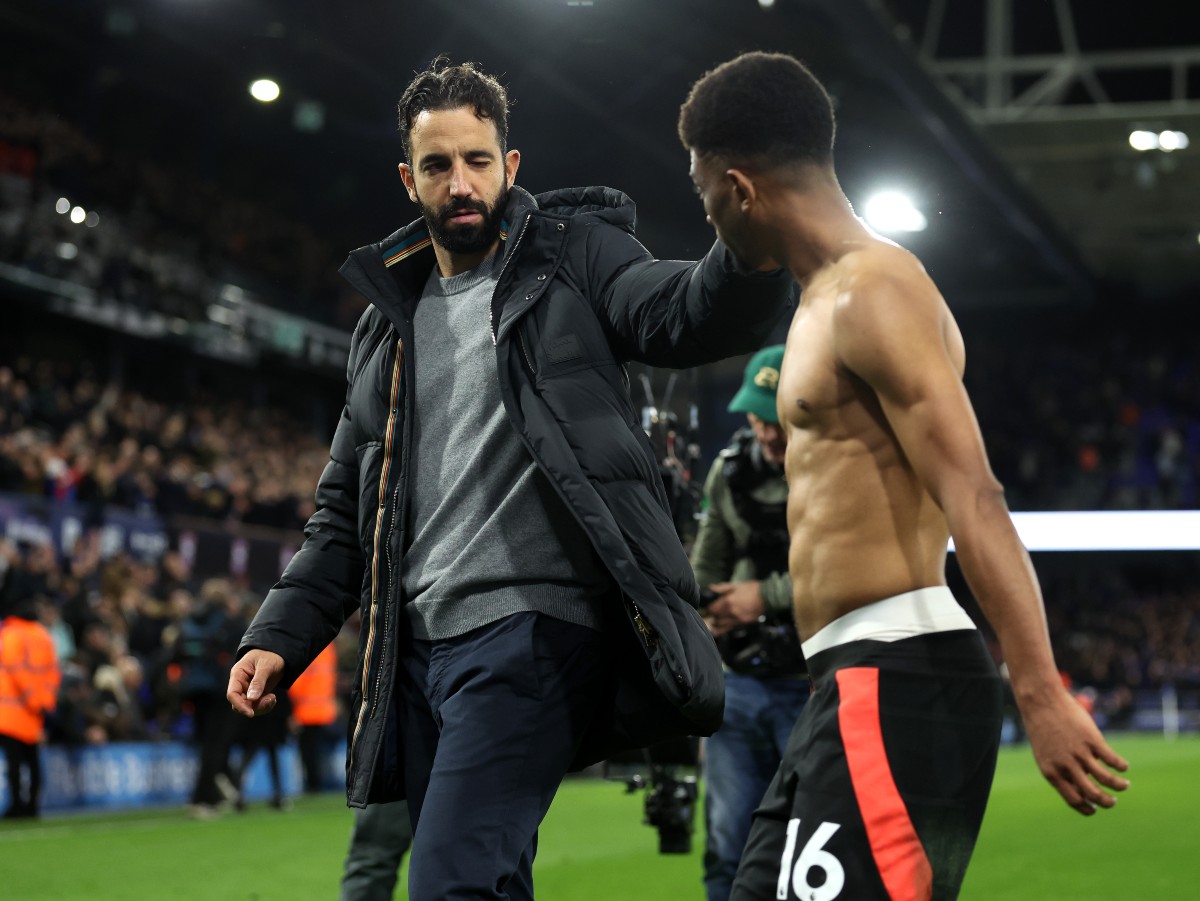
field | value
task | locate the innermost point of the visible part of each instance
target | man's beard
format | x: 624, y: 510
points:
x: 466, y: 238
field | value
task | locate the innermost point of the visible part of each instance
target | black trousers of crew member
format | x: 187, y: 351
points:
x: 215, y: 723
x: 312, y: 744
x: 490, y: 722
x: 22, y: 757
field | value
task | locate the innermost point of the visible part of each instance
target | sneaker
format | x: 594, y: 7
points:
x: 229, y: 792
x: 203, y: 811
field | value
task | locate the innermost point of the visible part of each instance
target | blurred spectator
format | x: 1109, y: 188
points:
x: 207, y: 640
x: 120, y: 700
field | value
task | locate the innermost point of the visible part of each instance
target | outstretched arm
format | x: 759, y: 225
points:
x: 680, y: 314
x: 892, y: 333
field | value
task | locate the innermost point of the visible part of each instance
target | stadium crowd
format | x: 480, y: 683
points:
x: 1107, y: 419
x: 66, y: 435
x: 163, y: 240
x: 125, y: 630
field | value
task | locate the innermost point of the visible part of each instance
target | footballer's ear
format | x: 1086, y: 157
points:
x: 745, y: 191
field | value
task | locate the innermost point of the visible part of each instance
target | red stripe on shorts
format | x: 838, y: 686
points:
x: 894, y: 842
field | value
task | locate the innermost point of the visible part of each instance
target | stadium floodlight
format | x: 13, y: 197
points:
x: 1141, y: 140
x: 1109, y: 530
x: 1172, y: 140
x: 892, y: 211
x: 62, y: 206
x: 264, y: 90
x: 78, y: 215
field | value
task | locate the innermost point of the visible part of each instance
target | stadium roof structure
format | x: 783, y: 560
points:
x: 1007, y: 121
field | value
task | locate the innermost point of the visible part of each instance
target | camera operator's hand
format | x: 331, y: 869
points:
x: 737, y: 603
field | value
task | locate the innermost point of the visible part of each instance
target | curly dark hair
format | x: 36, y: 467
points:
x: 445, y: 86
x: 764, y: 108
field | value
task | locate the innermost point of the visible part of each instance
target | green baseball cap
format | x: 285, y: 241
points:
x: 757, y: 394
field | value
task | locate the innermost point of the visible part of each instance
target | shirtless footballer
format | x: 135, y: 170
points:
x: 883, y: 786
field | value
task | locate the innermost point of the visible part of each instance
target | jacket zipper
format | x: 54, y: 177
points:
x: 525, y: 353
x: 508, y: 259
x: 389, y: 449
x: 647, y: 632
x: 649, y: 636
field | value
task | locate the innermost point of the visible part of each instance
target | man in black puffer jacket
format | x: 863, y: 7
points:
x: 492, y: 505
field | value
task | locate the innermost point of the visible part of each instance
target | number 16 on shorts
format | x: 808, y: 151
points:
x: 813, y: 856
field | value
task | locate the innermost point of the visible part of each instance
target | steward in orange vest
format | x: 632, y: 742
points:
x: 29, y: 678
x: 314, y: 709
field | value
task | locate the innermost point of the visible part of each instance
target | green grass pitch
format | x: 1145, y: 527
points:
x: 593, y: 845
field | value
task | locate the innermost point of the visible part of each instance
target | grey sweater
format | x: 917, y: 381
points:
x: 487, y: 535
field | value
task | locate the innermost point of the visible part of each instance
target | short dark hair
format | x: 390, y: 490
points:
x: 444, y: 86
x: 764, y: 108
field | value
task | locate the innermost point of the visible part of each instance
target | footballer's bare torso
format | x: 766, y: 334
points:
x: 862, y: 526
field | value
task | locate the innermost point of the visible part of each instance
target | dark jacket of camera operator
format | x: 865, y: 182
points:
x: 743, y: 534
x: 578, y: 296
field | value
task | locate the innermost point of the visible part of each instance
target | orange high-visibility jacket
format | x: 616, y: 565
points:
x: 29, y: 678
x: 313, y: 694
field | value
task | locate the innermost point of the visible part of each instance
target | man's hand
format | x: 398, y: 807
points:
x: 1069, y: 748
x: 251, y: 681
x: 737, y: 603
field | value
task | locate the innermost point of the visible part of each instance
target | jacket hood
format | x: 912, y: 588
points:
x: 606, y: 205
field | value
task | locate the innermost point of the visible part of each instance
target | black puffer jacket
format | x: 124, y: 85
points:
x: 577, y: 297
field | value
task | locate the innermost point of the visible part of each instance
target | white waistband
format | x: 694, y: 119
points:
x: 903, y: 616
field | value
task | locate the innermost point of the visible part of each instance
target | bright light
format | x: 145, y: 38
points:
x: 1166, y: 141
x: 66, y: 250
x: 892, y: 211
x: 92, y: 220
x: 1172, y: 140
x: 1143, y: 140
x: 218, y: 313
x: 766, y: 4
x: 78, y: 214
x: 264, y: 90
x: 1109, y: 530
x: 62, y: 206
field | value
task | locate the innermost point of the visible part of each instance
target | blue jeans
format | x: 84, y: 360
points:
x: 739, y: 762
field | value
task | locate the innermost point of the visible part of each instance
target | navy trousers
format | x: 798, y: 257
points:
x: 489, y: 724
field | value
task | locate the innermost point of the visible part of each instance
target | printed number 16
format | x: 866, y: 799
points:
x: 811, y: 855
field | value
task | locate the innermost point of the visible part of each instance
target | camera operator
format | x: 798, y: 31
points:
x: 740, y: 556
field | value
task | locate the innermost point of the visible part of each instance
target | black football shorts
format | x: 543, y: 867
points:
x: 884, y: 782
